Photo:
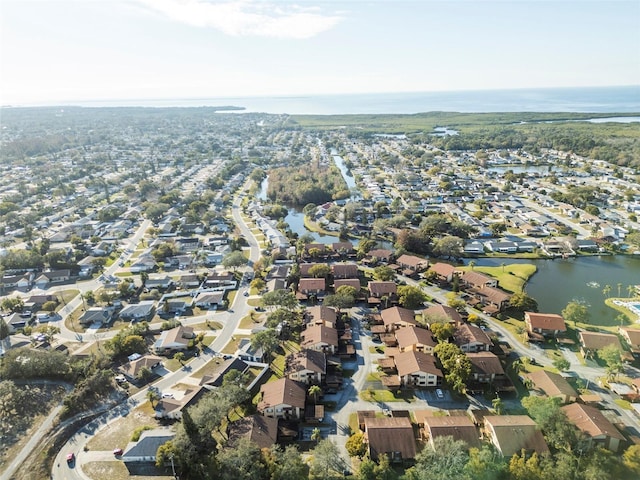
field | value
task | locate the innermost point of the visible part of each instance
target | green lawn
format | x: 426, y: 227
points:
x: 510, y: 277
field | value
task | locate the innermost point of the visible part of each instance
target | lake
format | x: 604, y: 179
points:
x: 558, y: 282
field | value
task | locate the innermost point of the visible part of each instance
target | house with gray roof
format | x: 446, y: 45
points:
x: 138, y: 311
x: 143, y: 452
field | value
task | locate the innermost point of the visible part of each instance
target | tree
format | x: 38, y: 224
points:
x: 612, y: 357
x: 442, y: 330
x: 576, y: 312
x: 242, y: 462
x: 280, y: 298
x: 455, y: 302
x: 316, y: 435
x: 521, y: 468
x: 12, y: 304
x: 4, y: 329
x: 562, y: 364
x: 287, y: 464
x: 446, y: 460
x: 631, y: 460
x: 314, y: 391
x: 411, y: 297
x: 320, y: 270
x: 485, y: 464
x: 498, y: 405
x: 455, y: 363
x: 49, y: 331
x: 356, y: 445
x: 234, y: 260
x: 267, y: 340
x: 606, y: 290
x: 179, y: 356
x: 449, y: 246
x: 523, y: 302
x: 258, y: 284
x: 384, y: 273
x: 153, y: 396
x: 327, y: 463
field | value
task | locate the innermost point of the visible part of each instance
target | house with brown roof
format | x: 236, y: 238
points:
x: 493, y: 299
x: 397, y: 317
x: 171, y: 408
x: 512, y: 433
x: 441, y: 312
x: 471, y: 338
x: 415, y: 338
x: 411, y: 264
x: 175, y: 340
x: 545, y: 324
x: 320, y: 315
x: 320, y: 338
x: 312, y: 286
x: 379, y: 289
x: 486, y: 367
x: 305, y: 267
x: 393, y: 437
x: 283, y: 398
x: 349, y: 282
x: 344, y: 270
x: 380, y: 255
x: 306, y: 366
x: 477, y: 280
x: 591, y: 342
x: 444, y: 271
x: 595, y: 425
x: 342, y: 247
x: 552, y: 385
x: 261, y: 430
x: 460, y: 427
x: 418, y: 369
x: 632, y: 337
x: 133, y: 368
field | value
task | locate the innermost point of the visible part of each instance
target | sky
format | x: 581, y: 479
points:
x: 54, y: 51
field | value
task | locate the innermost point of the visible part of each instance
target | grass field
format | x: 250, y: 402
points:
x: 511, y: 278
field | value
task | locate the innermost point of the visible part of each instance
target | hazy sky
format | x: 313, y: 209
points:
x: 57, y: 50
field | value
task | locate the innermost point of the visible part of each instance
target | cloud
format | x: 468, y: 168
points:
x: 247, y: 17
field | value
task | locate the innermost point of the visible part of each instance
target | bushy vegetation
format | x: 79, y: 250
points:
x: 307, y: 184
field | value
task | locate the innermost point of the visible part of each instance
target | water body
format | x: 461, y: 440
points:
x: 595, y: 99
x: 521, y: 168
x: 558, y: 282
x: 346, y: 174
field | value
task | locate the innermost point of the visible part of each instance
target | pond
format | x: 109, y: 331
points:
x: 558, y: 282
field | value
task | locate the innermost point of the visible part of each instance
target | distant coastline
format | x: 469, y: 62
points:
x: 625, y: 99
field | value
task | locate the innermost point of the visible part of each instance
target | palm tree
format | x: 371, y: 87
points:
x: 631, y: 290
x: 606, y: 290
x: 314, y: 391
x: 179, y: 356
x: 619, y: 288
x: 503, y: 265
x: 472, y: 264
x: 153, y: 396
x: 316, y: 435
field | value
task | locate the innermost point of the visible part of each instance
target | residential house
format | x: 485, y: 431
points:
x: 380, y: 255
x: 552, y: 385
x: 216, y: 379
x: 349, y: 282
x: 175, y: 340
x: 16, y: 322
x: 415, y: 338
x: 16, y: 282
x: 134, y: 367
x: 397, y: 317
x: 441, y: 312
x: 512, y: 433
x: 190, y: 280
x: 542, y: 325
x: 493, y: 299
x: 209, y: 300
x: 632, y: 337
x: 247, y: 352
x: 320, y: 315
x: 485, y: 367
x: 344, y: 270
x: 591, y: 342
x: 393, y: 437
x: 260, y: 430
x: 460, y: 427
x: 471, y: 338
x: 411, y: 264
x: 143, y: 452
x: 320, y: 338
x: 595, y: 425
x: 444, y: 271
x: 284, y: 398
x: 145, y: 263
x: 417, y: 369
x: 159, y: 283
x: 379, y: 290
x: 501, y: 247
x: 279, y: 271
x: 36, y: 302
x: 98, y: 315
x: 477, y: 280
x: 55, y: 276
x: 311, y: 286
x: 305, y: 267
x: 138, y: 311
x: 172, y: 408
x: 306, y: 366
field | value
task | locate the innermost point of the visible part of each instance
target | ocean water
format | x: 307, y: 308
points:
x: 581, y: 100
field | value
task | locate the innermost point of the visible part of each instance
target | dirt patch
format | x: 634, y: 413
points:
x: 116, y: 471
x: 118, y: 434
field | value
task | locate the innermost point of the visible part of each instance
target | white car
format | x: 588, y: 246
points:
x: 439, y: 393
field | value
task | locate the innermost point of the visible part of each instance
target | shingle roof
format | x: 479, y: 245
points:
x: 516, y: 432
x: 315, y: 334
x: 443, y: 311
x: 409, y: 336
x: 591, y: 421
x: 485, y: 363
x: 390, y: 435
x: 380, y: 288
x: 306, y: 360
x: 459, y: 427
x: 394, y: 315
x: 282, y: 391
x: 148, y: 444
x: 551, y: 383
x: 411, y: 362
x: 545, y: 321
x: 466, y: 334
x: 596, y: 341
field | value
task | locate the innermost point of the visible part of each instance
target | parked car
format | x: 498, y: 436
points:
x: 439, y: 393
x: 71, y: 457
x: 117, y: 451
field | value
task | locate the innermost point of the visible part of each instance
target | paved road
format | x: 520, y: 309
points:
x: 230, y: 319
